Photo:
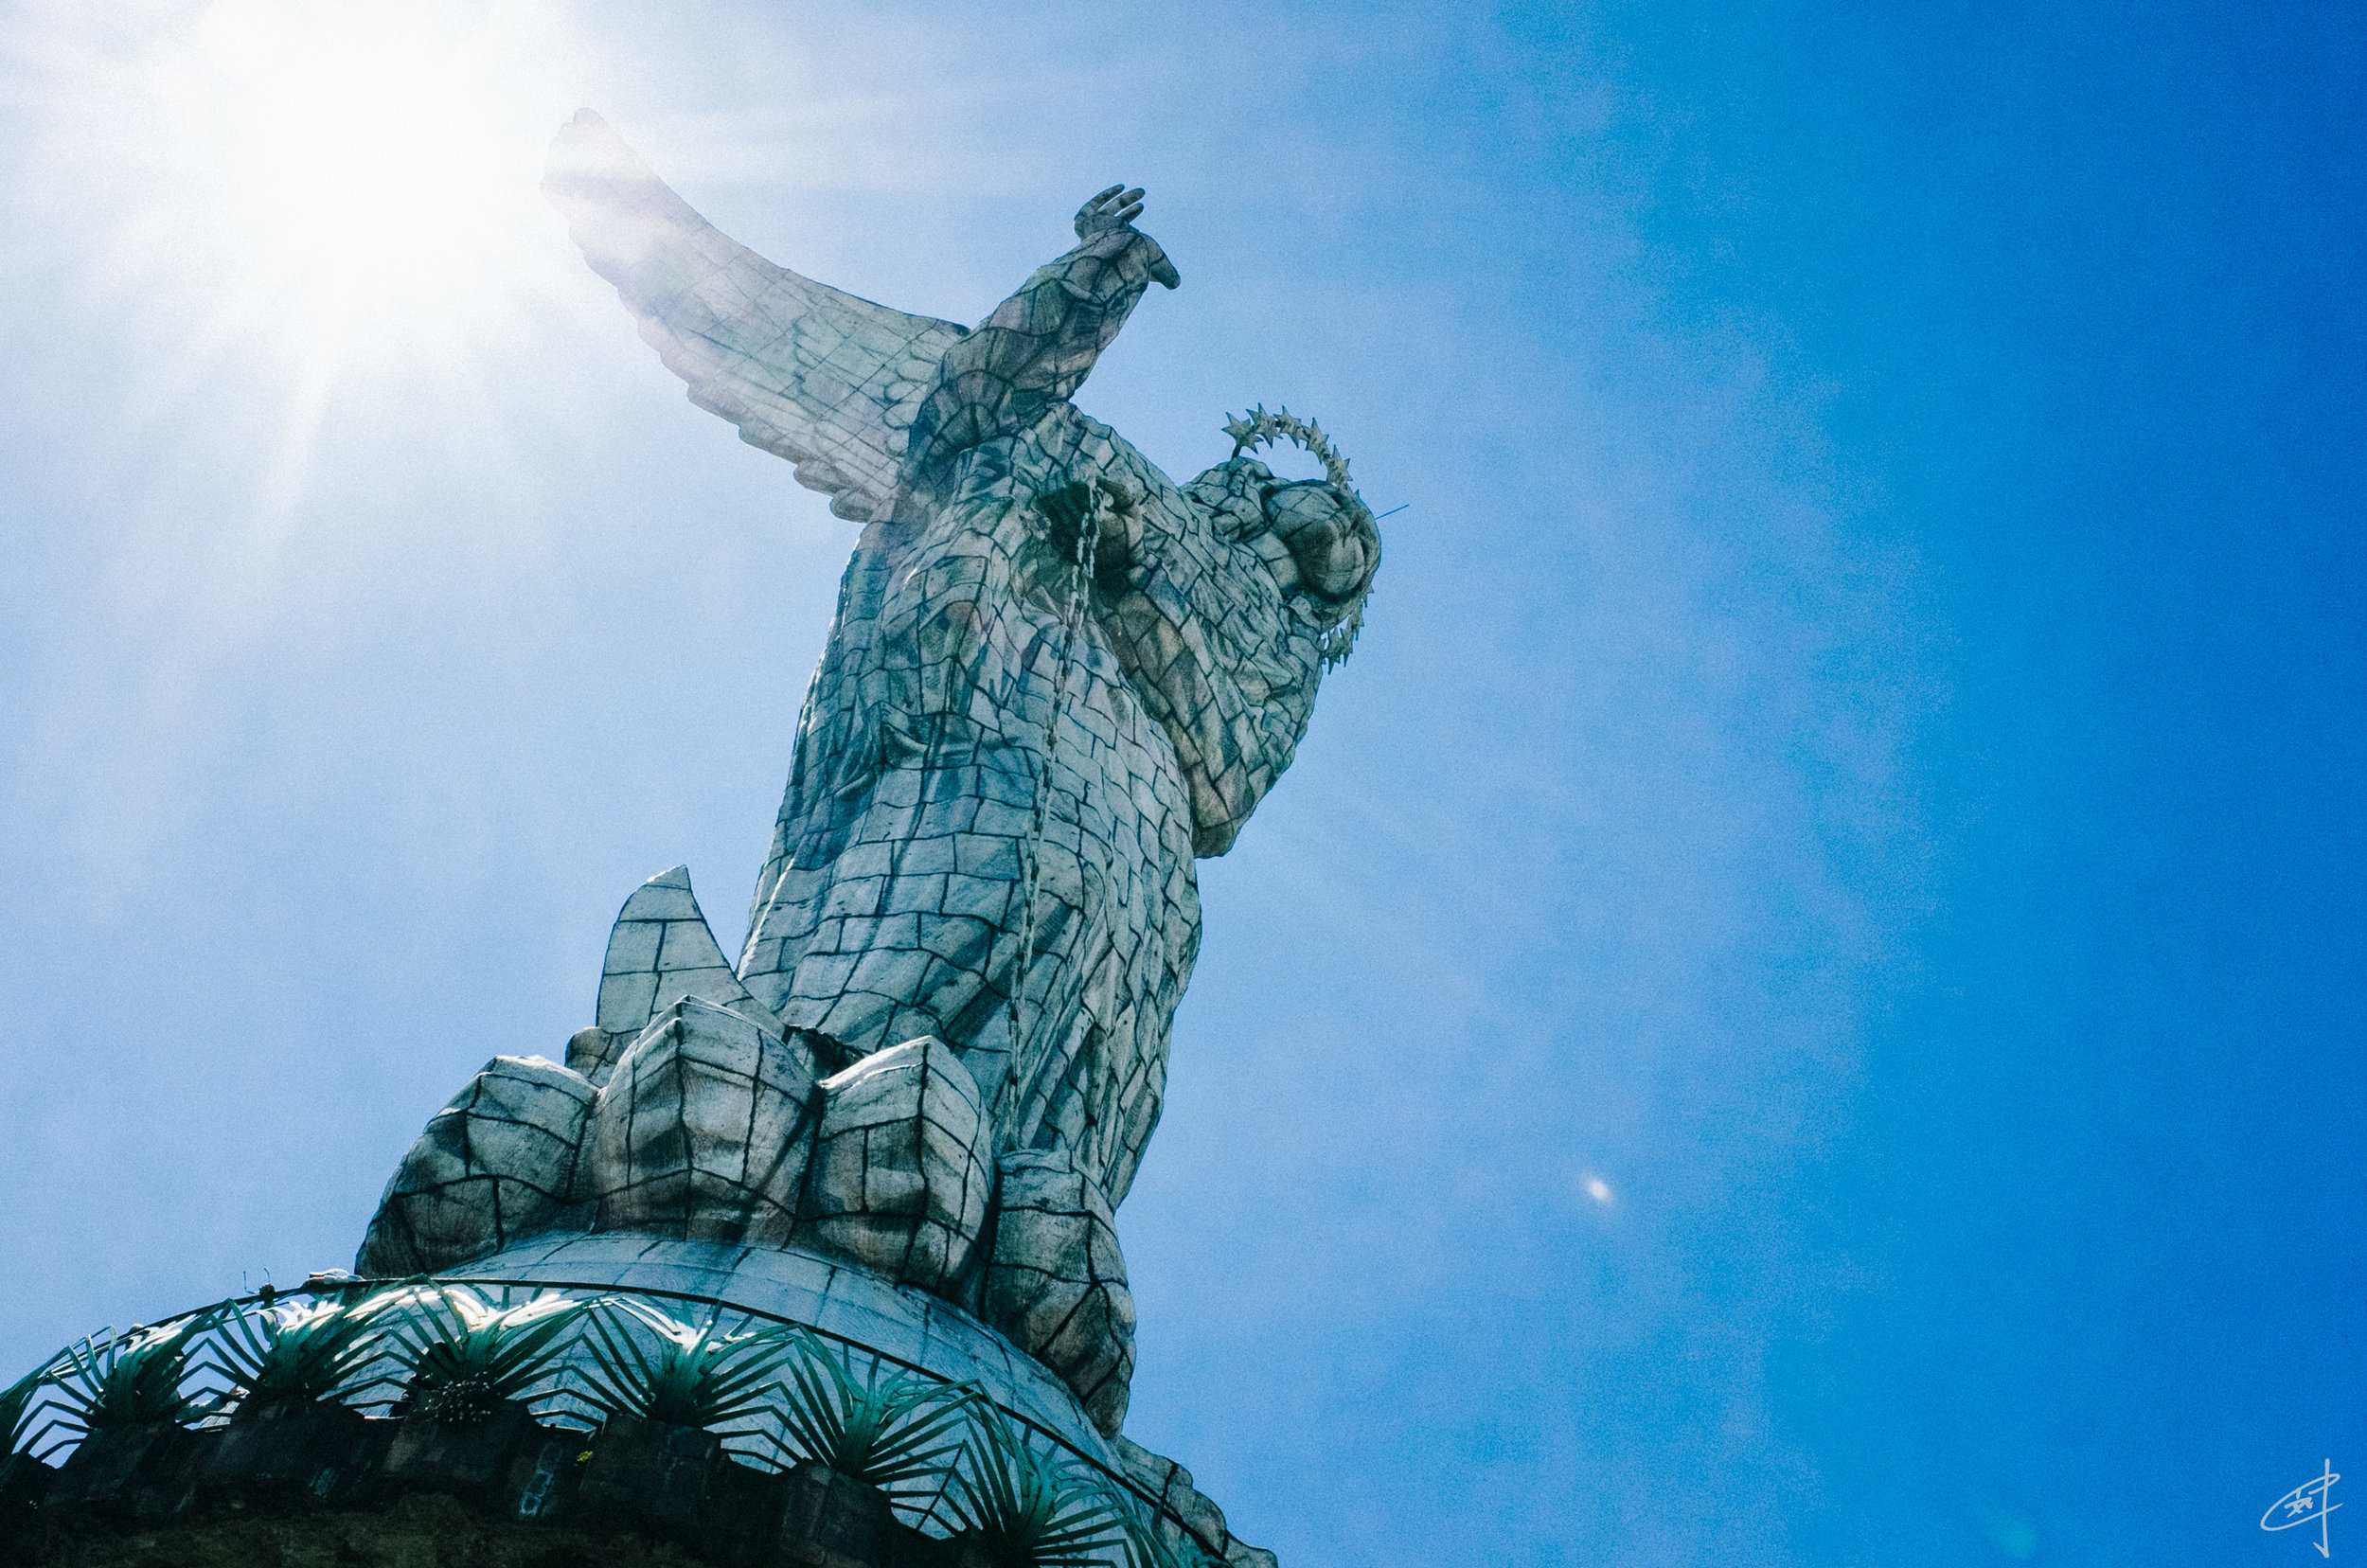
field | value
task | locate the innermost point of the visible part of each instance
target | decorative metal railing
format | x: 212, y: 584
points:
x: 368, y: 1344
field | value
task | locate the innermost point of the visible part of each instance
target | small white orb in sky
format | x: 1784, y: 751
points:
x: 1598, y: 1189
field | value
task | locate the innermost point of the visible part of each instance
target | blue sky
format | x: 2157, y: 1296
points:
x: 1857, y: 748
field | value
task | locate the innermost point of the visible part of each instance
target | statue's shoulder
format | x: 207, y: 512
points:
x: 1104, y: 452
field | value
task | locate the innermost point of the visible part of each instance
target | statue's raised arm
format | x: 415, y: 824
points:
x: 1039, y: 346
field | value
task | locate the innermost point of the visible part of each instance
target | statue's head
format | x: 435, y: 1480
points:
x: 1316, y: 536
x: 1330, y: 534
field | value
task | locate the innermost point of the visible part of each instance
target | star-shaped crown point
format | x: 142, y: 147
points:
x: 1259, y: 428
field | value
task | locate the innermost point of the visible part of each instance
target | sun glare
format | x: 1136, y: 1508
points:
x: 281, y: 201
x: 356, y: 149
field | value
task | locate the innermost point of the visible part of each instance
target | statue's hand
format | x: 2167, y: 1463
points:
x: 1113, y: 208
x: 1116, y: 209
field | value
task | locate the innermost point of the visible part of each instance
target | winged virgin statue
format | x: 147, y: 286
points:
x: 1054, y: 678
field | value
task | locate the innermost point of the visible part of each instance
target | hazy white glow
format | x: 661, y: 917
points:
x: 286, y: 174
x: 306, y: 219
x: 357, y: 149
x: 281, y: 201
x: 1598, y: 1189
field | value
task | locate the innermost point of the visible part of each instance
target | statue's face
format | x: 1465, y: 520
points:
x: 1330, y: 536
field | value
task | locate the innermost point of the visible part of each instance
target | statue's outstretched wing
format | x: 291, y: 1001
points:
x: 822, y: 377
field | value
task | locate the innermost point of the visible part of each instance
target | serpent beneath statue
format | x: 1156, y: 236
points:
x: 1054, y: 678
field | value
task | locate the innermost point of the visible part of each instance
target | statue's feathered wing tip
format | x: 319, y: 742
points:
x: 826, y: 379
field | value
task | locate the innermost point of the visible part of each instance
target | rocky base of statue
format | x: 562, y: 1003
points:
x: 331, y: 1486
x: 689, y: 1111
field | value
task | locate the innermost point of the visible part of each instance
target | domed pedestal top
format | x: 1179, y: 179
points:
x: 905, y: 1326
